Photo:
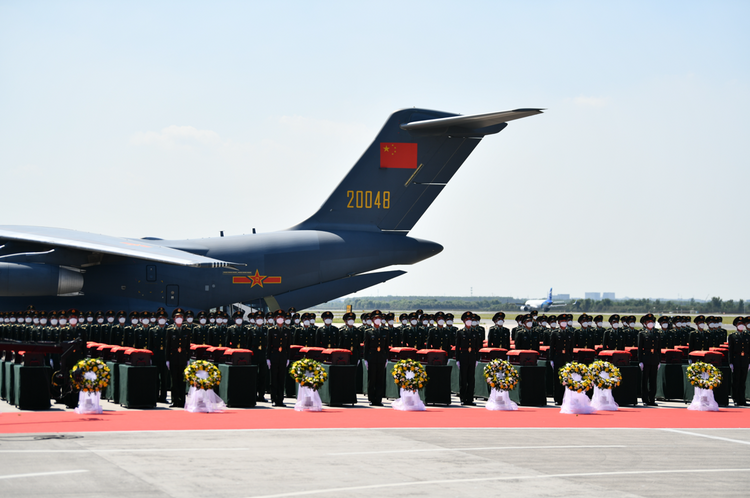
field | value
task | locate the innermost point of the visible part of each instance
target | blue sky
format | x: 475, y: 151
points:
x: 181, y: 119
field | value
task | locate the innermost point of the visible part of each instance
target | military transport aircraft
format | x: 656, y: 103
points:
x: 362, y: 227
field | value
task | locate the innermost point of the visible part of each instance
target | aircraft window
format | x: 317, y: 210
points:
x: 151, y: 273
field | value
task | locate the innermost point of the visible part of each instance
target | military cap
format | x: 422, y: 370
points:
x: 237, y: 314
x: 699, y: 319
x: 292, y: 310
x: 719, y: 319
x: 403, y: 316
x: 279, y: 313
x: 498, y: 316
x: 375, y: 314
x: 364, y: 316
x: 73, y: 312
x: 419, y: 312
x: 648, y: 317
x: 598, y: 318
x: 439, y: 315
x: 176, y: 310
x: 295, y: 315
x: 390, y: 315
x: 189, y: 313
x: 414, y: 315
x: 534, y: 313
x: 465, y: 315
x: 663, y: 319
x: 175, y: 313
x: 349, y: 316
x: 614, y: 318
x: 449, y: 316
x: 738, y: 320
x: 327, y: 314
x: 552, y: 318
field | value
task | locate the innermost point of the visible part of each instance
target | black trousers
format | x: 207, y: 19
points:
x: 466, y: 372
x: 278, y: 378
x: 177, y: 372
x: 376, y: 377
x: 648, y: 382
x: 260, y: 379
x: 558, y: 390
x: 739, y: 378
x: 162, y: 379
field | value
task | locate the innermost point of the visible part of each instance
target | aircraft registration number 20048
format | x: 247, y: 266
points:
x: 368, y: 199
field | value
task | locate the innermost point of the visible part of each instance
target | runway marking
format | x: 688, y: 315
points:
x: 125, y: 450
x: 486, y: 479
x: 488, y: 448
x: 42, y: 474
x: 707, y: 436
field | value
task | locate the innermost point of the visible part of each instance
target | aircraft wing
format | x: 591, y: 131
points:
x: 148, y: 250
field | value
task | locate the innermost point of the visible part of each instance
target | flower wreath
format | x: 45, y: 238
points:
x: 202, y: 375
x: 308, y: 373
x: 704, y: 375
x: 90, y: 375
x: 418, y: 378
x: 501, y: 375
x: 605, y: 374
x: 567, y: 372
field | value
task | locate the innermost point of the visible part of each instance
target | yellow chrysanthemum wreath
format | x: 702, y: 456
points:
x: 567, y: 380
x: 308, y: 373
x: 89, y: 383
x: 209, y: 380
x: 413, y: 382
x: 612, y: 378
x: 501, y: 375
x: 704, y: 375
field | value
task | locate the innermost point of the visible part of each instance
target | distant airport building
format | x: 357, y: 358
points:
x: 561, y: 297
x: 595, y: 296
x: 608, y: 295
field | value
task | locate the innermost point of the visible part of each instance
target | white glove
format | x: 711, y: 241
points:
x: 476, y: 364
x: 731, y: 367
x: 366, y: 365
x: 358, y: 362
x: 658, y: 367
x: 167, y: 365
x: 458, y: 364
x: 268, y: 362
x: 641, y: 365
x: 553, y: 364
x: 287, y: 362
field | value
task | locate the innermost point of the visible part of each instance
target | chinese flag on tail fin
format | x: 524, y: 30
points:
x: 398, y: 155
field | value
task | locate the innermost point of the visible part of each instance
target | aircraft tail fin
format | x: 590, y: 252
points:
x: 401, y: 173
x: 550, y: 294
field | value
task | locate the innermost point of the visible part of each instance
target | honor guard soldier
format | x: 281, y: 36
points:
x: 349, y: 338
x: 410, y: 334
x: 258, y: 343
x: 560, y: 353
x: 649, y: 356
x: 439, y: 336
x: 739, y: 360
x: 467, y: 355
x: 719, y: 333
x: 327, y: 336
x: 613, y: 338
x: 547, y: 335
x: 699, y: 339
x: 584, y: 337
x: 141, y: 331
x: 527, y: 338
x: 452, y: 329
x: 630, y: 333
x: 128, y: 334
x: 279, y: 339
x: 216, y: 331
x: 178, y: 353
x: 68, y: 330
x: 480, y: 334
x: 237, y: 332
x: 682, y: 331
x: 199, y: 332
x: 667, y: 336
x: 518, y: 328
x: 598, y: 329
x: 394, y: 333
x: 423, y: 330
x: 157, y: 344
x: 305, y: 335
x: 296, y: 324
x: 376, y: 357
x: 117, y: 330
x: 313, y: 317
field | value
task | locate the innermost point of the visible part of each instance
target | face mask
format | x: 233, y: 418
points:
x: 178, y: 320
x: 327, y: 321
x: 73, y: 321
x: 121, y: 319
x: 413, y: 322
x: 615, y: 325
x: 740, y: 327
x: 53, y: 321
x: 377, y: 322
x: 238, y: 321
x: 350, y: 323
x: 563, y: 324
x: 90, y: 319
x: 474, y: 323
x: 425, y: 323
x: 312, y: 321
x: 702, y: 326
x: 190, y: 319
x: 450, y: 323
x: 369, y: 322
x: 528, y: 324
x: 134, y: 321
x: 467, y: 324
x: 212, y: 321
x: 500, y: 323
x: 162, y: 321
x: 296, y: 321
x: 441, y: 322
x: 28, y: 320
x: 280, y: 321
x: 259, y: 322
x: 43, y: 321
x: 390, y: 323
x: 632, y: 325
x: 36, y: 321
x: 650, y: 325
x: 146, y: 323
x: 306, y: 323
x: 202, y: 321
x: 100, y: 320
x: 599, y: 324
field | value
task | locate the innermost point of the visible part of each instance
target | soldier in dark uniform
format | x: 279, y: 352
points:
x: 467, y: 355
x: 199, y: 329
x: 217, y: 333
x: 394, y: 333
x: 410, y: 334
x: 140, y: 333
x: 423, y: 331
x: 584, y: 337
x: 375, y: 355
x: 278, y: 340
x: 560, y: 353
x: 349, y: 338
x: 613, y: 338
x: 599, y: 330
x: 237, y: 333
x: 739, y: 360
x: 178, y: 352
x: 313, y: 317
x: 527, y: 337
x: 719, y: 333
x: 157, y: 344
x: 699, y: 339
x: 439, y: 336
x: 117, y: 330
x: 305, y: 335
x: 327, y: 336
x: 128, y: 333
x: 649, y: 356
x: 258, y: 342
x: 682, y: 331
x: 630, y: 333
x: 666, y: 337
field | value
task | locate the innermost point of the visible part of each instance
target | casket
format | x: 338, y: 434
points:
x: 334, y: 356
x: 712, y: 357
x: 215, y: 354
x: 584, y: 355
x: 543, y: 352
x: 118, y: 354
x: 486, y: 355
x: 30, y: 359
x: 313, y: 353
x: 724, y: 354
x: 138, y: 357
x: 237, y: 357
x: 105, y: 352
x: 396, y: 354
x: 633, y: 350
x: 432, y: 357
x: 295, y: 352
x: 93, y: 349
x: 523, y: 357
x: 671, y: 356
x: 199, y: 351
x: 617, y: 358
x: 685, y: 350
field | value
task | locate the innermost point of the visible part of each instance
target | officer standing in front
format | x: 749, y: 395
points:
x: 649, y: 356
x: 157, y: 343
x: 279, y: 339
x: 739, y: 359
x: 561, y: 345
x: 466, y: 358
x: 376, y: 356
x: 178, y: 352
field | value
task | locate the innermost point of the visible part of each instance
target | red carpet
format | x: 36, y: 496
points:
x: 260, y: 418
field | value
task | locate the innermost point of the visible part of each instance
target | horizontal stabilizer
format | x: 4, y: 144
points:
x: 321, y: 293
x: 481, y: 124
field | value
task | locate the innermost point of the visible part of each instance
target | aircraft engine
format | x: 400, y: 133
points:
x: 524, y: 308
x: 32, y: 279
